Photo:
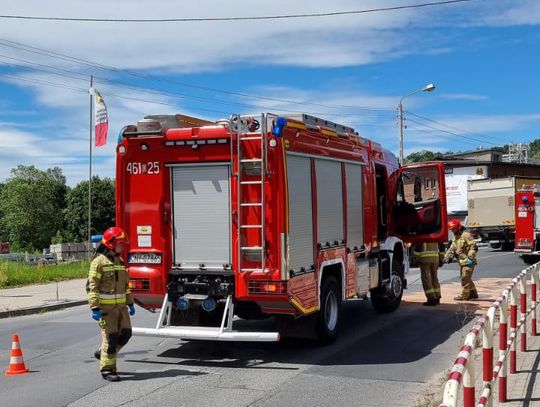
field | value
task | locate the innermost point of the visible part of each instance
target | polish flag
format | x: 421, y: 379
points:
x: 101, y: 121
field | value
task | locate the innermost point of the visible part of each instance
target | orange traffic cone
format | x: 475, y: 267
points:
x: 16, y: 363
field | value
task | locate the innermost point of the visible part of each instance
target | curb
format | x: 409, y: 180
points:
x: 40, y: 308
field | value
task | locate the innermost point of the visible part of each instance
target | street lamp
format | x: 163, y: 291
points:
x: 428, y: 88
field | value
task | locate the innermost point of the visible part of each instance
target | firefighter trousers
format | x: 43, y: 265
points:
x: 430, y: 280
x: 115, y: 333
x: 467, y: 285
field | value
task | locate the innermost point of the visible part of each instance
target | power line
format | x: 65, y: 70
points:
x: 451, y: 133
x: 68, y: 58
x: 449, y: 126
x: 246, y: 18
x: 65, y: 73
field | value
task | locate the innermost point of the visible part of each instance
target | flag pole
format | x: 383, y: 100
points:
x: 90, y: 170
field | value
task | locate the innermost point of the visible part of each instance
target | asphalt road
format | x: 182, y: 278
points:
x: 378, y: 359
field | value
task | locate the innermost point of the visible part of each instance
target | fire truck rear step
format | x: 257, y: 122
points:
x: 224, y: 332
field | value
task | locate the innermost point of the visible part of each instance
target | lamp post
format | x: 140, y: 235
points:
x: 428, y: 88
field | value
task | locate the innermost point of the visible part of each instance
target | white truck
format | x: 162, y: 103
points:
x: 491, y: 209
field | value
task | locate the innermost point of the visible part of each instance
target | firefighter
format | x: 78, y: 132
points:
x: 464, y: 249
x: 110, y: 300
x: 429, y: 257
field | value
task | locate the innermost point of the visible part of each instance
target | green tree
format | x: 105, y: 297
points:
x: 76, y: 212
x: 32, y: 202
x: 422, y: 156
x: 535, y: 149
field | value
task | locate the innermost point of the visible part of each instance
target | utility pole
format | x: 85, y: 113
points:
x: 428, y: 88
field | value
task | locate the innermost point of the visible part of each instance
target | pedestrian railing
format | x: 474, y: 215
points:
x: 462, y: 374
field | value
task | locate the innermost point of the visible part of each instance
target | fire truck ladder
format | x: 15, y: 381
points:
x: 254, y: 166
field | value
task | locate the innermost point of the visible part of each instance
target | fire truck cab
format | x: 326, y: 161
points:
x: 528, y: 223
x: 259, y: 216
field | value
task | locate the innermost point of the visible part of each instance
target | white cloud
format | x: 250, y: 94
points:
x: 462, y: 96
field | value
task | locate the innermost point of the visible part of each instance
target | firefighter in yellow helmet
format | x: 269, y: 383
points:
x: 464, y: 249
x: 110, y: 300
x: 429, y: 256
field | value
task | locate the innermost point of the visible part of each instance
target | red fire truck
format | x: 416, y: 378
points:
x: 262, y: 216
x: 528, y: 223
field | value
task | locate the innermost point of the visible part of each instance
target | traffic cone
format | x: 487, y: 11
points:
x: 16, y: 363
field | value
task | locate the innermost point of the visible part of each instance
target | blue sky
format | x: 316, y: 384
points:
x: 483, y: 56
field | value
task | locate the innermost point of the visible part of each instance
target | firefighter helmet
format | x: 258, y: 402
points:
x: 112, y: 236
x: 455, y: 225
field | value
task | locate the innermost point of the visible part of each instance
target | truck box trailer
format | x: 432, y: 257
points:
x: 491, y: 208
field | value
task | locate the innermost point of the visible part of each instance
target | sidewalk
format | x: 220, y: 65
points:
x: 523, y: 389
x: 38, y: 298
x: 523, y: 386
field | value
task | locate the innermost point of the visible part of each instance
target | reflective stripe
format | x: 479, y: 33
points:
x: 111, y: 296
x: 16, y: 360
x: 112, y: 301
x: 108, y: 268
x: 107, y: 361
x: 119, y: 267
x: 94, y: 274
x: 428, y: 255
x: 92, y: 296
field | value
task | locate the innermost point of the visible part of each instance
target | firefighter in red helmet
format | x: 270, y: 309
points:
x: 110, y: 300
x: 464, y: 249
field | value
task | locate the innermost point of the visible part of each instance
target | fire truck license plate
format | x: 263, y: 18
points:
x: 141, y: 258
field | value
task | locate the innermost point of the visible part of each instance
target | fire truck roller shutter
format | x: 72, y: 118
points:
x: 329, y: 202
x: 201, y: 212
x: 355, y: 212
x: 300, y: 213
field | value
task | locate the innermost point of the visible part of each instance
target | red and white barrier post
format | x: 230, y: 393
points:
x: 523, y: 309
x: 503, y: 347
x: 513, y: 325
x: 534, y: 279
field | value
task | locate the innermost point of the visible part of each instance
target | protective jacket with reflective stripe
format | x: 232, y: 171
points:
x: 108, y: 283
x: 427, y: 253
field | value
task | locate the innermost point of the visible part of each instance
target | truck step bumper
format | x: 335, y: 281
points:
x: 207, y: 333
x: 225, y: 332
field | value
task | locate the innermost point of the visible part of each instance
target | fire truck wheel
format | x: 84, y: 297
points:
x: 530, y: 259
x: 329, y: 315
x: 387, y: 299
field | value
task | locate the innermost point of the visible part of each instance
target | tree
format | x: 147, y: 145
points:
x: 535, y: 149
x: 422, y: 156
x: 76, y: 212
x: 31, y: 202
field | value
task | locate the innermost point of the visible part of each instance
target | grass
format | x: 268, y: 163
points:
x: 16, y: 274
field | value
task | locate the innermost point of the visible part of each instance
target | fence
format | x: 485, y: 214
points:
x: 462, y: 373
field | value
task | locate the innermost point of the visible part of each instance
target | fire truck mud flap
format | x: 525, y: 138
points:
x: 222, y: 333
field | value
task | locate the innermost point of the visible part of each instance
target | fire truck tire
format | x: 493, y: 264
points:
x: 387, y: 299
x: 329, y: 315
x: 530, y: 259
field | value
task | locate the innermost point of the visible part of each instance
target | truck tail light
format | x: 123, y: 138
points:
x: 138, y: 284
x: 267, y: 287
x: 524, y: 243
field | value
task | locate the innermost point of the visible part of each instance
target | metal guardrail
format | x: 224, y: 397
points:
x: 462, y: 373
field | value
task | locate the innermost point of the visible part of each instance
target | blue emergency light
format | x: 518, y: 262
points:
x: 278, y: 126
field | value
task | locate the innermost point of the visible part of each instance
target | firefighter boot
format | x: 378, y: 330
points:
x: 111, y: 377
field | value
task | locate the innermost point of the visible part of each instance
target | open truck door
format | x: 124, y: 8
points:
x: 419, y: 210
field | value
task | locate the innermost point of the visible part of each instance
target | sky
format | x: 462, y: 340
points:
x: 482, y: 55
